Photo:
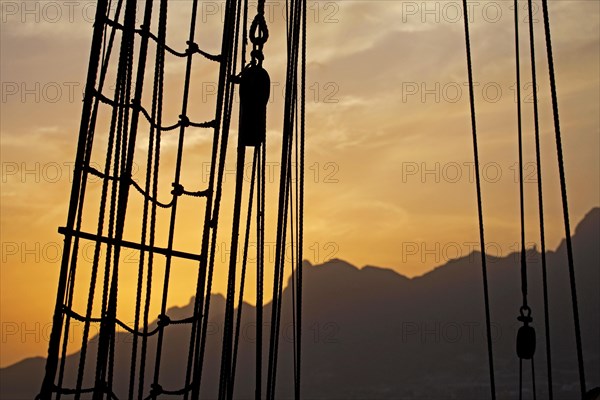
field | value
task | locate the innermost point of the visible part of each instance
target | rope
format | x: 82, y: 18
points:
x: 178, y: 189
x: 255, y: 167
x: 293, y: 238
x: 532, y: 379
x: 288, y: 128
x: 119, y: 141
x: 163, y: 321
x: 243, y: 278
x: 117, y: 177
x: 520, y: 140
x: 279, y: 289
x: 119, y: 195
x: 197, y: 337
x: 184, y: 121
x: 227, y: 329
x: 520, y: 379
x: 244, y: 32
x: 290, y: 98
x: 157, y: 100
x: 144, y: 32
x: 479, y: 203
x: 96, y: 257
x: 61, y: 390
x: 300, y: 245
x: 276, y: 304
x: 106, y: 52
x: 55, y: 336
x: 130, y: 181
x: 293, y: 196
x: 259, y: 33
x: 260, y: 219
x: 525, y: 311
x: 563, y: 191
x: 296, y: 263
x: 156, y: 390
x: 103, y: 388
x: 540, y: 200
x: 226, y: 354
x: 224, y: 106
x: 173, y: 215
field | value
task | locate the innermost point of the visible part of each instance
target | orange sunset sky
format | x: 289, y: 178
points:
x: 390, y: 178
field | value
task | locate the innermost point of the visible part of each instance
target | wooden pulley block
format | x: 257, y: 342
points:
x: 255, y: 89
x: 526, y: 342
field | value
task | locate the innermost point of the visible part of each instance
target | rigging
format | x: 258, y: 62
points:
x: 116, y: 179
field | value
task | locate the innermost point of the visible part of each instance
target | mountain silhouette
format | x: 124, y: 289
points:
x: 372, y: 333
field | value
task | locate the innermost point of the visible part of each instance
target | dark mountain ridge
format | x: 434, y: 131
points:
x: 372, y: 333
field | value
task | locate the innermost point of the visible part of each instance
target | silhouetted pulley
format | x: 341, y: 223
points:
x: 525, y: 338
x: 255, y: 89
x: 526, y: 342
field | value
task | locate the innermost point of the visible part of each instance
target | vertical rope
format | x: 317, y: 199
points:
x: 100, y: 227
x: 123, y: 161
x: 223, y: 113
x: 176, y: 181
x: 243, y: 275
x: 260, y: 270
x: 293, y: 22
x: 157, y: 114
x: 520, y: 379
x: 137, y: 100
x: 227, y: 328
x: 226, y: 354
x: 301, y: 205
x: 106, y: 53
x: 524, y: 307
x: 479, y: 204
x: 563, y: 191
x: 55, y: 335
x: 540, y: 199
x: 277, y: 290
x: 153, y: 163
x: 293, y: 196
x: 194, y: 366
x: 520, y: 140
